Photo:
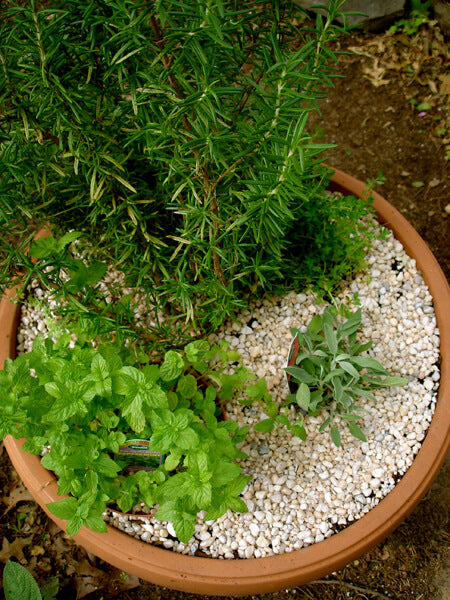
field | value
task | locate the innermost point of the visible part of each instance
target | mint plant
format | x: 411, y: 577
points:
x: 174, y: 135
x: 276, y: 416
x: 85, y: 403
x: 333, y: 371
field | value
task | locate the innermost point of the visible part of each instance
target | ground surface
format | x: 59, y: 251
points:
x: 389, y: 115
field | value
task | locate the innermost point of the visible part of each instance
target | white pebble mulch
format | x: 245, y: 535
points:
x: 303, y: 492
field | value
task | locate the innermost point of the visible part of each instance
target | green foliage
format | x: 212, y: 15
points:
x: 18, y: 584
x: 85, y: 402
x: 421, y: 7
x: 332, y: 371
x: 276, y: 417
x: 175, y: 135
x: 75, y: 282
x: 419, y: 15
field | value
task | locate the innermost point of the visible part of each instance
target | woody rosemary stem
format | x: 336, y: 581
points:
x: 214, y: 208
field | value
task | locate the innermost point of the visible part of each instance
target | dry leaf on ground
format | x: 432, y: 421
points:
x: 15, y: 549
x: 17, y: 494
x: 89, y: 579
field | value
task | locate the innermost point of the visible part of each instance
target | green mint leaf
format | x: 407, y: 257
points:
x: 219, y: 508
x: 76, y: 487
x: 114, y: 440
x: 181, y: 419
x: 238, y: 505
x: 128, y: 493
x: 74, y: 525
x: 225, y: 472
x: 172, y: 367
x: 78, y: 277
x: 172, y: 399
x: 187, y: 439
x: 201, y: 494
x: 91, y: 483
x: 33, y: 445
x: 63, y: 509
x: 172, y: 461
x: 237, y: 486
x: 52, y: 388
x: 125, y: 501
x: 184, y: 525
x: 101, y: 376
x: 134, y: 414
x: 271, y: 408
x: 147, y: 485
x: 196, y: 351
x: 124, y: 382
x: 156, y: 398
x: 48, y: 461
x: 299, y: 431
x: 167, y: 511
x: 96, y: 523
x: 210, y: 393
x: 105, y: 465
x: 233, y: 356
x: 175, y: 487
x: 199, y: 465
x: 257, y: 390
x: 139, y: 393
x: 151, y: 373
x: 265, y: 425
x: 187, y: 386
x: 99, y: 367
x: 240, y: 434
x: 43, y: 247
x: 283, y: 420
x: 161, y: 441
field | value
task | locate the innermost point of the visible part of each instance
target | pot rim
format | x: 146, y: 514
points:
x: 260, y: 575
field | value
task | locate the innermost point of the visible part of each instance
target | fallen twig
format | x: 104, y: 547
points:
x: 351, y: 586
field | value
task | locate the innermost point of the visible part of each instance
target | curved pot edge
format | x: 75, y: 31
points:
x: 208, y: 576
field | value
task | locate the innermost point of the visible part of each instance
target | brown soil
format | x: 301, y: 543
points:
x: 374, y: 114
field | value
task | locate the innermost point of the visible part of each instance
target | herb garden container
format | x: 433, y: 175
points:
x: 259, y: 575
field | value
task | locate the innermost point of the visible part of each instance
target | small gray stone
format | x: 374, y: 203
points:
x: 264, y: 448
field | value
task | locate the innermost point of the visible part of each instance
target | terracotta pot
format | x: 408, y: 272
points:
x: 241, y: 577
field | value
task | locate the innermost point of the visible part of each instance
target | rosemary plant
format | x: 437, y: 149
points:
x: 175, y: 135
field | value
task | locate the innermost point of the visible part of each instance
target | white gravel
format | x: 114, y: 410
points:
x: 302, y: 492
